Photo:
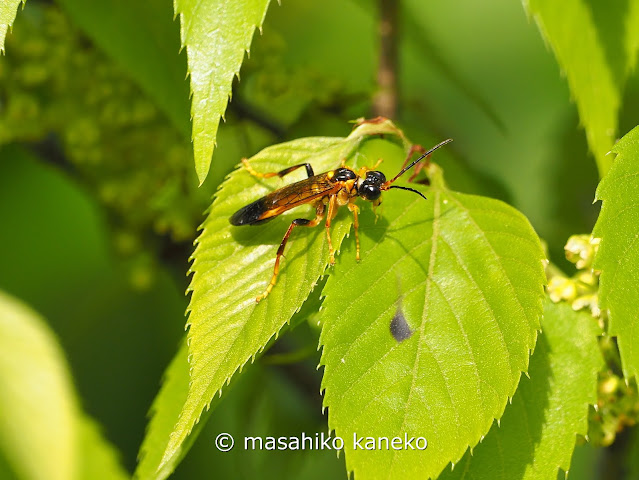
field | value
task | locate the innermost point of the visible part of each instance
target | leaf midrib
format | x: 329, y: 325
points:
x: 431, y: 267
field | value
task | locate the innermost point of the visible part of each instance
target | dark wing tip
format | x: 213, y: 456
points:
x: 248, y: 215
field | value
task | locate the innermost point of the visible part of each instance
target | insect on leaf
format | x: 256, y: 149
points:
x: 537, y: 433
x: 216, y: 34
x: 467, y: 275
x: 232, y: 266
x: 618, y: 254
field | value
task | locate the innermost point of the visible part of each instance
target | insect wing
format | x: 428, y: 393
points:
x: 283, y: 199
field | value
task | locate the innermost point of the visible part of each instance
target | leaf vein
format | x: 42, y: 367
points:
x: 483, y: 296
x: 496, y: 255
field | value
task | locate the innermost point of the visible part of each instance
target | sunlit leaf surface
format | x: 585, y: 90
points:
x: 465, y: 274
x: 8, y: 10
x: 233, y: 265
x: 216, y: 34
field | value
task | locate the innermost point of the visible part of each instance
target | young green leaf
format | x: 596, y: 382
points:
x: 537, y: 433
x: 8, y: 11
x: 216, y: 33
x: 428, y: 335
x: 596, y: 64
x: 618, y: 254
x: 233, y: 265
x: 40, y: 415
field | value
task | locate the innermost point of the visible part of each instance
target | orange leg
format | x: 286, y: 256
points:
x: 332, y: 211
x: 355, y: 209
x: 298, y: 222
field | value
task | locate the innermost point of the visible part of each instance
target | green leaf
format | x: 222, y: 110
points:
x: 40, y: 416
x: 265, y: 402
x: 164, y: 414
x: 36, y: 397
x: 98, y: 458
x: 8, y: 9
x: 233, y: 265
x: 216, y: 33
x: 465, y: 274
x: 537, y: 433
x: 618, y: 254
x: 595, y: 44
x: 168, y: 404
x: 143, y: 38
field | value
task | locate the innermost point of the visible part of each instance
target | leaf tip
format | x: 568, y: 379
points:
x: 201, y: 175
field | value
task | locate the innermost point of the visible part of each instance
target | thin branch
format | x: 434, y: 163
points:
x: 386, y: 99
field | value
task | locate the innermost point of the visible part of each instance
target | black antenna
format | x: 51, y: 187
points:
x: 416, y: 161
x: 410, y: 190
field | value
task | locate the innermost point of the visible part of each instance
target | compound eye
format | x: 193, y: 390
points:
x: 377, y: 177
x: 369, y: 192
x: 343, y: 174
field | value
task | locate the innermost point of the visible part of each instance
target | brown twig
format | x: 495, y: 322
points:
x: 385, y: 101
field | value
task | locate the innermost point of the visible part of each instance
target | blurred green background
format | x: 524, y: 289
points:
x: 99, y: 200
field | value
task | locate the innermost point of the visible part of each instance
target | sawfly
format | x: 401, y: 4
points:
x: 326, y: 192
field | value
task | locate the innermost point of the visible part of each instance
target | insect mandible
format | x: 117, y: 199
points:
x: 326, y: 192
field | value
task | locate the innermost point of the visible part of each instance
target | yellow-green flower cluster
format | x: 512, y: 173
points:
x: 59, y: 92
x: 617, y: 404
x: 580, y: 290
x: 617, y: 408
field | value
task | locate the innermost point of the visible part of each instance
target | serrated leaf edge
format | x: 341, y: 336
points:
x: 203, y: 160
